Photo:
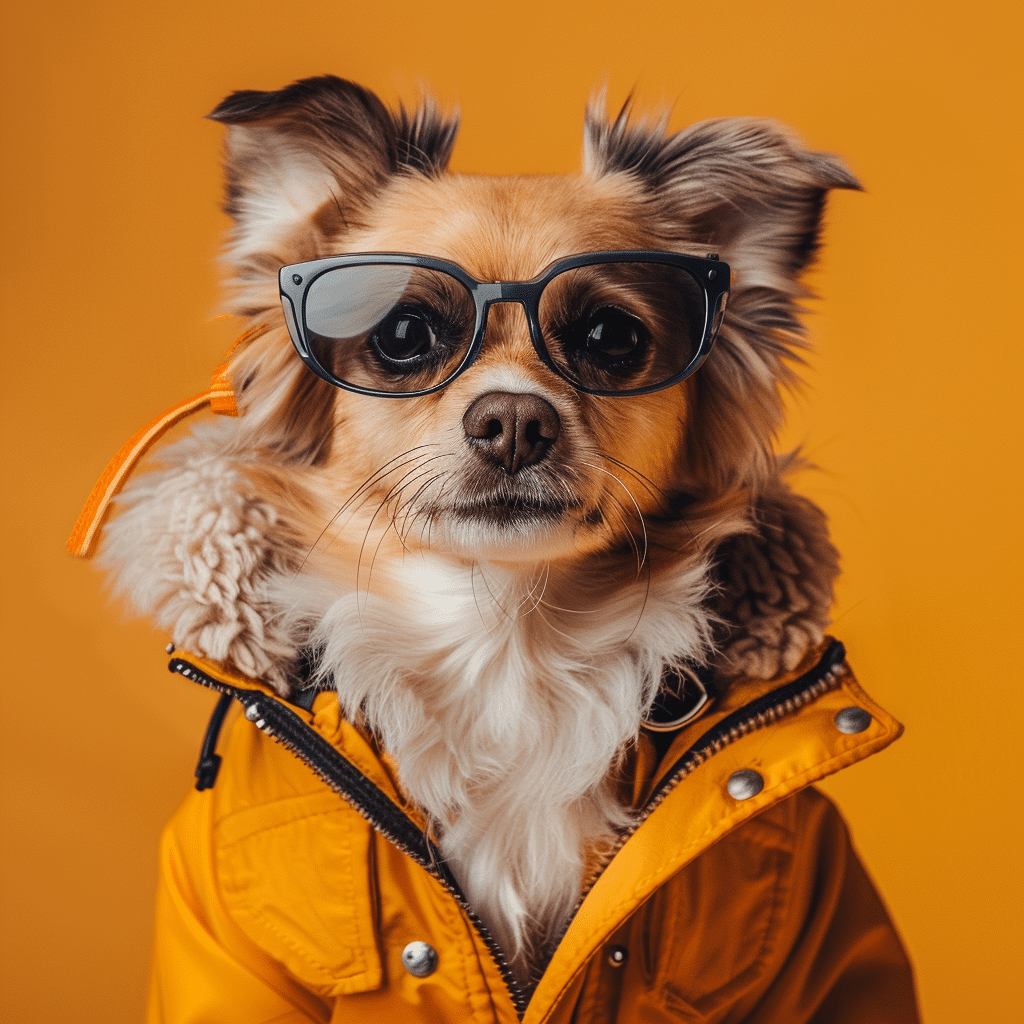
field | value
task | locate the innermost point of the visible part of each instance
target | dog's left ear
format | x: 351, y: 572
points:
x: 302, y: 165
x: 747, y: 190
x: 742, y: 184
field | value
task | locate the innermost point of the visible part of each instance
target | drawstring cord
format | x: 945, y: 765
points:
x: 220, y: 396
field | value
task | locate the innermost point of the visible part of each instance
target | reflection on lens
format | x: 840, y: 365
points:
x: 389, y: 327
x: 349, y: 301
x: 623, y: 326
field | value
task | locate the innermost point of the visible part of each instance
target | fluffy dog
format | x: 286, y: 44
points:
x: 497, y: 575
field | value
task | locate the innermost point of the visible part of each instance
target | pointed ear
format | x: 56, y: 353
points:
x: 747, y: 190
x: 304, y: 163
x: 744, y: 185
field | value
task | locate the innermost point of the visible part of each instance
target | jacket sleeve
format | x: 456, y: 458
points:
x: 839, y: 959
x: 204, y: 971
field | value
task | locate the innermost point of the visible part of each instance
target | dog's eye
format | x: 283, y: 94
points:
x: 613, y: 333
x: 609, y: 336
x: 404, y: 334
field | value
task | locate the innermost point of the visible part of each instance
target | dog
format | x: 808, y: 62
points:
x: 505, y: 488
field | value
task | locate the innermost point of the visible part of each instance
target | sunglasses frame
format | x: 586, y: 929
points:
x: 709, y: 272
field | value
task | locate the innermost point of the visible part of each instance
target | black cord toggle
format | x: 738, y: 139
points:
x: 209, y: 759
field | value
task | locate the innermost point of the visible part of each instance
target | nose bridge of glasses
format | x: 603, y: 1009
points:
x: 505, y: 293
x: 510, y: 326
x: 489, y: 293
x: 496, y: 293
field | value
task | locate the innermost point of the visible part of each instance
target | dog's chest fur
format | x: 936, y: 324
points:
x: 507, y: 709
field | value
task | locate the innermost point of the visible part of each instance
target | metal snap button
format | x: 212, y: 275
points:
x: 744, y: 784
x: 617, y: 955
x: 851, y: 720
x: 419, y: 959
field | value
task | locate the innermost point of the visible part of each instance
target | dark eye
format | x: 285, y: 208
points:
x: 613, y: 333
x: 404, y: 334
x: 607, y: 336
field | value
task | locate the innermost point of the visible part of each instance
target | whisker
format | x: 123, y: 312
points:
x: 504, y: 610
x: 373, y: 560
x: 547, y: 580
x: 624, y: 521
x: 643, y: 607
x: 367, y: 483
x: 649, y: 485
x: 366, y: 536
x: 640, y: 515
x: 396, y: 491
x: 530, y: 594
x: 383, y: 471
x: 573, y: 640
x: 569, y: 611
x: 407, y: 506
x: 430, y: 517
x: 476, y: 599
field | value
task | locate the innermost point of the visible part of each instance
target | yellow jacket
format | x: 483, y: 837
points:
x: 737, y: 897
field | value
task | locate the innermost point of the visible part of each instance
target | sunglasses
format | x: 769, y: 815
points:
x: 396, y: 325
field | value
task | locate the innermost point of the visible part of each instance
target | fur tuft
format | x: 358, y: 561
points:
x: 776, y: 584
x: 426, y: 137
x: 194, y: 548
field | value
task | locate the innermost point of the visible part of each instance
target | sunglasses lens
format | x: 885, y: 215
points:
x: 623, y: 327
x: 389, y: 327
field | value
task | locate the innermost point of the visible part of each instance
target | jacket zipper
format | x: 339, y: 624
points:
x: 779, y: 703
x: 273, y: 718
x: 281, y: 724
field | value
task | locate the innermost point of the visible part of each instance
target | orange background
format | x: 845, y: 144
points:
x: 111, y: 189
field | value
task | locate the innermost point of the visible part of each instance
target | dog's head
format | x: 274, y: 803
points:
x: 511, y: 460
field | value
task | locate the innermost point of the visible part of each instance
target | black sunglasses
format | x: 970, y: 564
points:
x: 610, y: 323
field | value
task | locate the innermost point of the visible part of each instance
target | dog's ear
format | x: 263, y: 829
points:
x: 747, y: 190
x: 305, y: 162
x: 744, y: 185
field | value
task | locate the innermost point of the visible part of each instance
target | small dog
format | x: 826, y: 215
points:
x: 493, y: 500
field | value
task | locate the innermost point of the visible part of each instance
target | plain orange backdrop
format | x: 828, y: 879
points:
x: 110, y: 188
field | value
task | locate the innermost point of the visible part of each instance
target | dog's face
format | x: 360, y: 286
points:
x: 510, y: 462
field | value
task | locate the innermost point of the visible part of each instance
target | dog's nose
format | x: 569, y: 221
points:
x: 513, y: 430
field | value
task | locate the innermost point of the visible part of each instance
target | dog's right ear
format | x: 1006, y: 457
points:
x: 305, y: 162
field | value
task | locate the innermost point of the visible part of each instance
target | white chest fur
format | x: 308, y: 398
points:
x: 506, y: 698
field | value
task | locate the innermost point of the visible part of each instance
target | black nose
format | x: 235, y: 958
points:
x: 513, y: 430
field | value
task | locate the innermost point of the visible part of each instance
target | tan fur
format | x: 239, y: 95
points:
x: 505, y: 665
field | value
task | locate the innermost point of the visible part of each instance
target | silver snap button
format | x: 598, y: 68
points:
x: 617, y: 955
x: 851, y: 720
x: 744, y: 784
x: 252, y: 712
x: 419, y: 959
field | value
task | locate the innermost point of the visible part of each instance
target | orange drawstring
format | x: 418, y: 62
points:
x: 221, y: 399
